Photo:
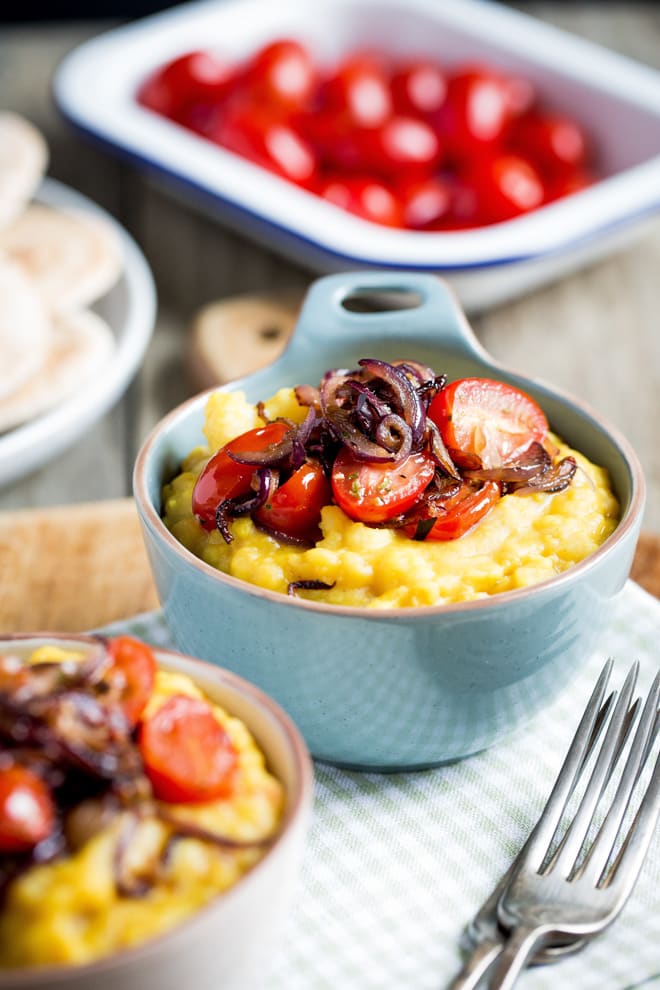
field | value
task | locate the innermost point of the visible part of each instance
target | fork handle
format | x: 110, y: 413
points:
x: 518, y: 949
x: 482, y: 958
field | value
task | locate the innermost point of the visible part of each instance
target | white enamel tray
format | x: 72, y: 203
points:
x: 614, y: 97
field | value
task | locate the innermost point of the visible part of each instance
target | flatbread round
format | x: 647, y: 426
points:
x: 23, y: 161
x: 24, y: 329
x: 80, y: 346
x: 73, y: 257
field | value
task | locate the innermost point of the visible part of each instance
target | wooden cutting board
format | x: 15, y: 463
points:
x: 78, y: 567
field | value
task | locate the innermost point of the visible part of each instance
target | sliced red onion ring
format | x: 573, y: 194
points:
x: 394, y: 434
x: 439, y: 451
x: 243, y: 505
x: 294, y: 586
x: 534, y: 462
x: 410, y: 406
x: 555, y: 479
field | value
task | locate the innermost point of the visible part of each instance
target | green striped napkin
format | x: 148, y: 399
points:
x: 397, y: 864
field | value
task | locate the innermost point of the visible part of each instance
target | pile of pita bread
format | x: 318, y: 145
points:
x: 54, y: 264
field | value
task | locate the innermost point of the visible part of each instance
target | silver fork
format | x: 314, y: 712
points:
x: 577, y: 889
x: 484, y: 937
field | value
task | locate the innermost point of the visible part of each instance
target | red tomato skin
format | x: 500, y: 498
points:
x: 402, y: 146
x: 572, y: 183
x: 556, y: 144
x: 266, y: 138
x: 360, y: 89
x: 196, y: 77
x: 425, y: 202
x: 463, y: 511
x: 27, y: 811
x: 489, y: 419
x: 373, y: 493
x: 366, y: 197
x: 474, y: 115
x: 133, y: 662
x: 282, y: 73
x: 418, y: 88
x: 295, y: 507
x: 224, y: 478
x: 188, y: 756
x: 507, y: 186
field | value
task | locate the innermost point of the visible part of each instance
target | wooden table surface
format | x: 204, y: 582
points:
x: 595, y: 333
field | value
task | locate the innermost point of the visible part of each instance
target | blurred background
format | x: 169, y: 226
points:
x: 589, y: 333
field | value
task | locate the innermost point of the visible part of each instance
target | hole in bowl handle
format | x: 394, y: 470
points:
x: 427, y: 312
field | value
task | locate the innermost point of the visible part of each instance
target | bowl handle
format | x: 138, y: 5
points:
x: 436, y: 318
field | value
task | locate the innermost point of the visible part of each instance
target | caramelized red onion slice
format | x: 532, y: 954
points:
x: 555, y: 479
x: 294, y: 586
x: 439, y: 451
x: 270, y: 456
x: 405, y: 393
x: 308, y: 395
x: 243, y: 505
x: 531, y: 463
x: 394, y: 434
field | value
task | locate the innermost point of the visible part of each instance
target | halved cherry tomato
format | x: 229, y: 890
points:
x: 224, y: 478
x: 295, y: 507
x: 132, y: 673
x: 194, y: 78
x: 188, y: 756
x: 489, y: 419
x: 371, y: 493
x: 27, y: 811
x: 461, y: 512
x: 282, y: 72
x: 367, y: 197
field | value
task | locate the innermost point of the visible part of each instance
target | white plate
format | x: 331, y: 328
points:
x: 616, y: 99
x: 129, y: 308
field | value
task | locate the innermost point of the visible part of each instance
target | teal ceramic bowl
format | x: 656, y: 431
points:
x: 397, y: 688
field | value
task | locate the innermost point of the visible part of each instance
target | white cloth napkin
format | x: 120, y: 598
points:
x: 397, y: 864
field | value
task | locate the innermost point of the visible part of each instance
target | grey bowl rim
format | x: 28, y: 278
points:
x: 300, y: 800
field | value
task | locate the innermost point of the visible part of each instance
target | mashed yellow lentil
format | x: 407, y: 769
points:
x: 70, y: 911
x: 523, y: 540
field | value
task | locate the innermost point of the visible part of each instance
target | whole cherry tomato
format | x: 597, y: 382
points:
x: 461, y: 512
x: 295, y: 506
x: 194, y: 78
x: 489, y: 419
x: 282, y: 73
x: 367, y: 197
x: 360, y: 89
x: 474, y: 115
x: 418, y: 88
x: 402, y: 146
x: 369, y: 492
x: 567, y: 185
x: 188, y: 756
x: 555, y: 143
x: 506, y: 186
x: 224, y: 478
x: 27, y: 811
x: 132, y: 673
x: 267, y: 138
